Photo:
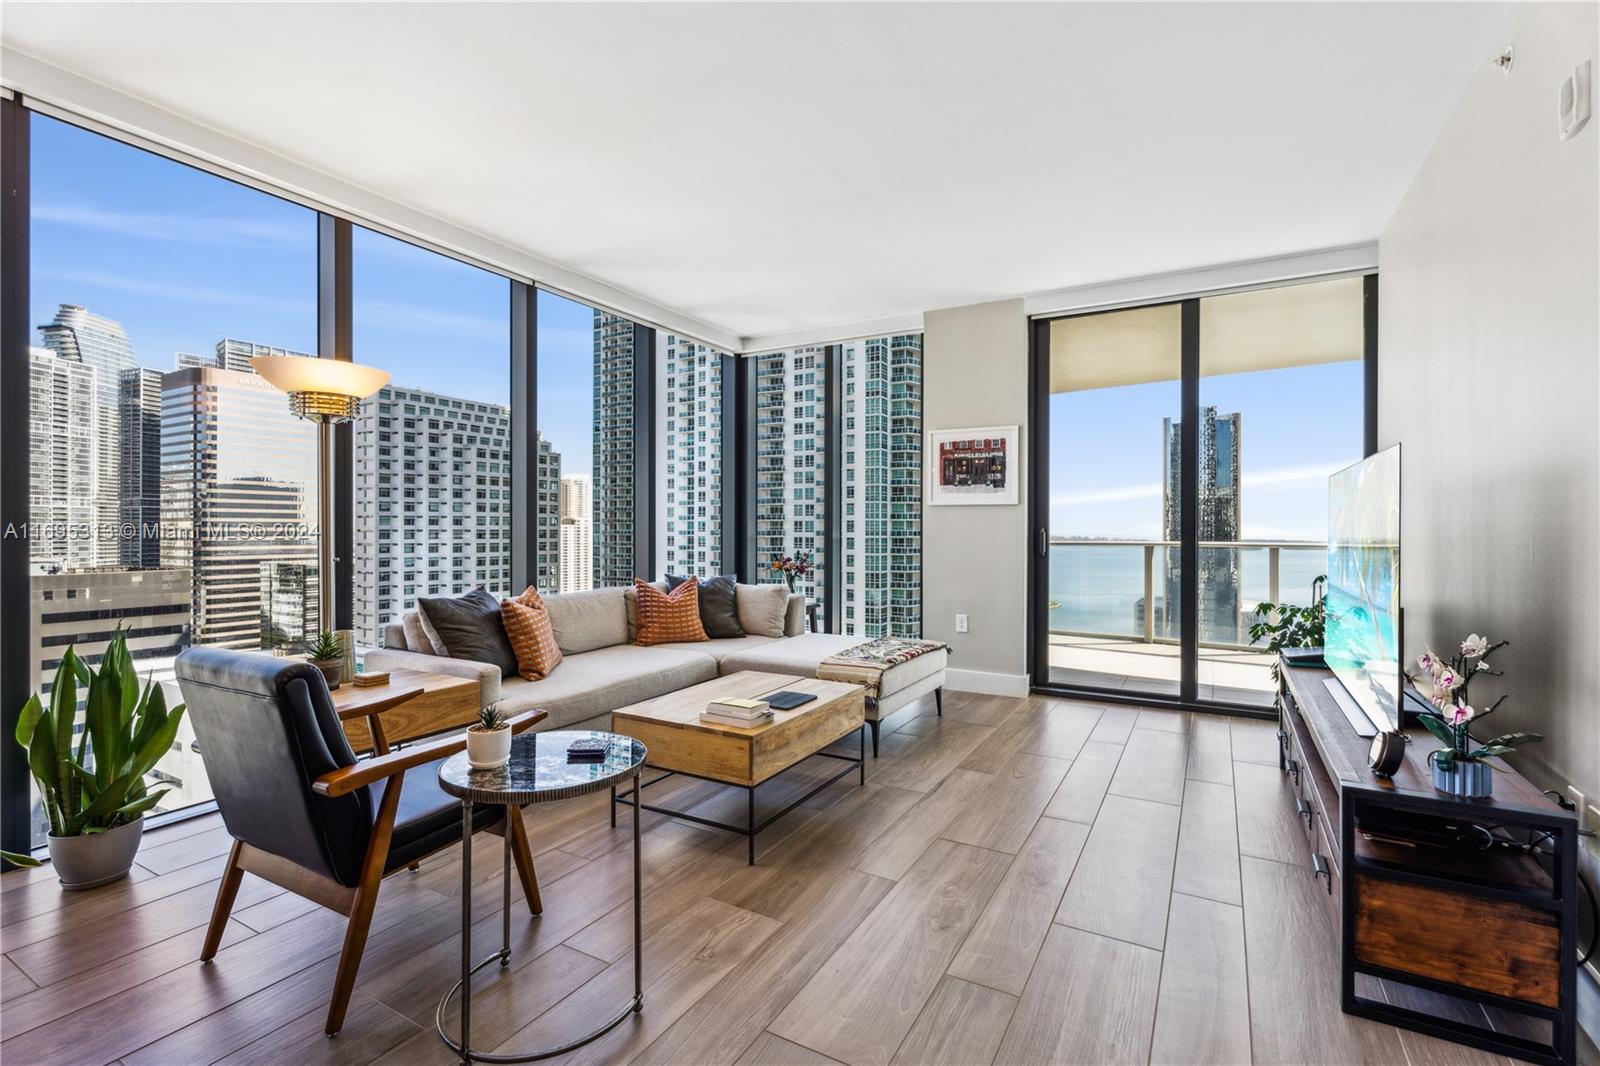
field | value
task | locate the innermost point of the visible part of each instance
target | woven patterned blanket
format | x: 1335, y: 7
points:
x: 865, y: 664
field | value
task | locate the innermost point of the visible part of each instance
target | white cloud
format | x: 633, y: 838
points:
x: 178, y: 291
x: 1287, y: 475
x: 190, y: 229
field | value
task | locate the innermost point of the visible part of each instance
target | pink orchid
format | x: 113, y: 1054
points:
x: 1461, y: 714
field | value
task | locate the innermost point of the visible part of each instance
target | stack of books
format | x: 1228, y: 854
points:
x: 731, y: 711
x: 369, y: 680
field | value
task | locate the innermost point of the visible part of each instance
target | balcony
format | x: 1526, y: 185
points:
x: 1108, y: 621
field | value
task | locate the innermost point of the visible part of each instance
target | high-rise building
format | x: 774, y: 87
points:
x: 140, y: 489
x: 547, y: 516
x: 791, y: 431
x: 881, y: 538
x: 1218, y: 520
x: 577, y: 534
x: 613, y: 532
x: 432, y: 506
x: 64, y: 490
x: 238, y: 489
x: 691, y: 400
x: 231, y: 354
x: 291, y: 609
x: 76, y: 335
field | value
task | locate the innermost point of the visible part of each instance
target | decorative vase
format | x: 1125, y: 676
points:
x: 788, y: 579
x: 331, y: 669
x: 488, y: 749
x: 1469, y: 780
x: 347, y: 654
x: 96, y: 858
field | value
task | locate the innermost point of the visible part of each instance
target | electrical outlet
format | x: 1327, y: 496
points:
x: 961, y: 623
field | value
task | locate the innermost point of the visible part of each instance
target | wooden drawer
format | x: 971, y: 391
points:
x: 1428, y: 931
x: 1325, y: 870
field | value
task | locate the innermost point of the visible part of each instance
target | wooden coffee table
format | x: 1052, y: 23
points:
x: 679, y: 743
x: 440, y: 702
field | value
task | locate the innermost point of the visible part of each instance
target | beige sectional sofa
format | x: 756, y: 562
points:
x: 602, y: 669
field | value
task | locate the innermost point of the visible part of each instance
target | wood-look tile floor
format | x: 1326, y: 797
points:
x: 1020, y: 881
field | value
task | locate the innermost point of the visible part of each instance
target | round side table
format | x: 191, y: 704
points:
x: 537, y: 773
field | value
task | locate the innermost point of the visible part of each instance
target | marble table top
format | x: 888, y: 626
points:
x: 539, y: 771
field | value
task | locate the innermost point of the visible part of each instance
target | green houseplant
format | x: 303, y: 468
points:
x: 95, y: 796
x: 1286, y: 625
x: 326, y: 655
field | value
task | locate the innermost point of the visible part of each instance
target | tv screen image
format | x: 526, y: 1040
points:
x: 1362, y: 637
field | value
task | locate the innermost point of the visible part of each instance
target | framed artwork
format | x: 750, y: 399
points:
x: 973, y: 466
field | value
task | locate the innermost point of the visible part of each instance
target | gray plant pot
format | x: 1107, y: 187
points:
x: 97, y: 858
x: 1469, y: 780
x: 331, y: 670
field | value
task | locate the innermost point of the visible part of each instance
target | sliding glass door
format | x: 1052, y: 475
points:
x: 1112, y: 564
x: 1155, y: 544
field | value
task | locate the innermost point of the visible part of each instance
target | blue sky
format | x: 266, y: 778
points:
x: 182, y: 259
x: 1298, y: 425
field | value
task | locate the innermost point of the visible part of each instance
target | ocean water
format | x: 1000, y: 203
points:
x: 1097, y: 587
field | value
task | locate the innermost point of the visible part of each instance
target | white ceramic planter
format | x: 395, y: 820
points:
x: 98, y: 858
x: 488, y: 749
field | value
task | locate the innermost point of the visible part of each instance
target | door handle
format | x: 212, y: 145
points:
x: 1044, y: 542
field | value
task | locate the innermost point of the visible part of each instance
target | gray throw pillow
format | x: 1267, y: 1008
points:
x: 762, y: 609
x: 469, y: 627
x: 719, y: 613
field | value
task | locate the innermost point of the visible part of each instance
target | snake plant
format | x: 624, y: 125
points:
x: 101, y: 785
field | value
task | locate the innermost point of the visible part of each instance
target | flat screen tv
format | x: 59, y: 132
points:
x: 1362, y: 638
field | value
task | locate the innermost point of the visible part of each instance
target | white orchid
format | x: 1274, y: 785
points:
x: 1461, y: 714
x: 1475, y: 646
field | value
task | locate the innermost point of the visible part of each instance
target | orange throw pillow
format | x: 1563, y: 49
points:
x: 532, y: 639
x: 669, y: 617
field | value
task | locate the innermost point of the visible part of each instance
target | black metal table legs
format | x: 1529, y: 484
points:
x: 751, y: 827
x: 464, y: 1047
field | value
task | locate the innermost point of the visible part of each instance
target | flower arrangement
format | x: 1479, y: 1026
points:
x: 792, y: 567
x: 1453, y: 712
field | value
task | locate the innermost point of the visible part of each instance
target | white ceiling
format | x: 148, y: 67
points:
x: 768, y: 168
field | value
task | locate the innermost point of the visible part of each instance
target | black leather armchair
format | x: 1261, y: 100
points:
x: 303, y: 813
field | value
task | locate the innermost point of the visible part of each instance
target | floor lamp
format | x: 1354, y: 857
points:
x: 327, y: 392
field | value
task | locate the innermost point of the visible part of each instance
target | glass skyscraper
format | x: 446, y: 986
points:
x: 691, y: 406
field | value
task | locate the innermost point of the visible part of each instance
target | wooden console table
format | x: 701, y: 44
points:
x: 443, y: 702
x: 1423, y: 898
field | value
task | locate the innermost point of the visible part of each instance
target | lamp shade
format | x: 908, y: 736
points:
x: 331, y: 377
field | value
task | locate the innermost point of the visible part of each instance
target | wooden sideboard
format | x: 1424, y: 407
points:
x: 1432, y: 892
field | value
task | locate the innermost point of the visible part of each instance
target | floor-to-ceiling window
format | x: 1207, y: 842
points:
x: 1281, y: 387
x: 431, y: 455
x: 880, y: 537
x: 691, y: 379
x: 171, y: 490
x: 790, y: 480
x: 1202, y: 429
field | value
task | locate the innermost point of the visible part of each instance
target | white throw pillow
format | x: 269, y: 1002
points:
x: 416, y: 636
x: 761, y: 608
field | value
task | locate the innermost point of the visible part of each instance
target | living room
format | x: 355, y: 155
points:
x: 736, y: 455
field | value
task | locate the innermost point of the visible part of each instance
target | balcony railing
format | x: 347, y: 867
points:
x: 1117, y: 589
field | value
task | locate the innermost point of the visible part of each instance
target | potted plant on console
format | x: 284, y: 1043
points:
x: 489, y: 742
x: 95, y: 797
x: 327, y: 655
x: 1460, y: 768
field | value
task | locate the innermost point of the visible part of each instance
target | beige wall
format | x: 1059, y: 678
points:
x: 975, y: 373
x: 1490, y: 376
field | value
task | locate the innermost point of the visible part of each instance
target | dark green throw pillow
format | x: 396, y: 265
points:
x: 718, y: 616
x: 470, y: 628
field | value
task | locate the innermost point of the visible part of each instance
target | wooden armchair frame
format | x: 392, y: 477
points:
x: 357, y: 903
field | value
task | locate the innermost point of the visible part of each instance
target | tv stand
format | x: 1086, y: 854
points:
x: 1417, y: 899
x: 1352, y: 710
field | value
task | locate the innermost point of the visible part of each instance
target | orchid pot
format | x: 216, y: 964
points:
x: 1461, y: 768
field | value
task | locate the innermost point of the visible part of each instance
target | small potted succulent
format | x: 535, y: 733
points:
x: 1460, y: 768
x: 489, y: 741
x: 326, y: 655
